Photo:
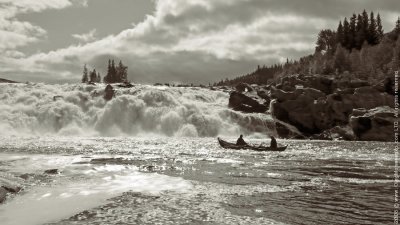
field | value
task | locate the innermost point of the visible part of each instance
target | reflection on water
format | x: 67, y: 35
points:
x: 194, y: 181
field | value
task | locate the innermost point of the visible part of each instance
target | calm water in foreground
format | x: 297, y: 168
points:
x: 194, y: 181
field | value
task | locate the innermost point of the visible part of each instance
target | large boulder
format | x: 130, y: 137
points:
x: 243, y: 87
x: 109, y: 92
x: 299, y: 108
x: 374, y: 124
x: 342, y: 102
x: 3, y: 194
x: 337, y: 133
x: 284, y: 130
x: 264, y: 95
x: 244, y: 103
x: 387, y: 85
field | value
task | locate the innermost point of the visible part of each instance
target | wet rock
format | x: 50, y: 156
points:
x: 109, y: 92
x: 336, y: 133
x: 285, y: 130
x: 243, y: 87
x: 299, y: 108
x: 129, y: 85
x: 26, y: 176
x: 321, y: 83
x: 264, y: 95
x: 374, y: 124
x: 281, y: 95
x: 244, y: 103
x: 11, y: 188
x: 3, y: 194
x: 52, y: 171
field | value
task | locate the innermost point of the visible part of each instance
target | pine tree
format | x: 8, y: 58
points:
x: 340, y: 34
x: 397, y: 28
x: 352, y: 32
x: 122, y: 72
x: 379, y: 28
x: 373, y: 36
x: 365, y: 23
x: 113, y: 72
x: 346, y: 32
x: 360, y: 36
x: 107, y: 78
x: 85, y: 75
x: 93, y: 76
x: 98, y: 78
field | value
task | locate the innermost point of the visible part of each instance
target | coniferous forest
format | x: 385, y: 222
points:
x: 115, y: 74
x: 359, y: 46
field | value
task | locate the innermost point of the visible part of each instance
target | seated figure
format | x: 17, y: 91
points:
x: 240, y: 141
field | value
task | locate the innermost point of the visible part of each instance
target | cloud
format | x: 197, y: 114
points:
x: 86, y: 37
x: 15, y: 33
x: 200, y: 40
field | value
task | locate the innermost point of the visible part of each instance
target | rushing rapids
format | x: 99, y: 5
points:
x: 70, y: 110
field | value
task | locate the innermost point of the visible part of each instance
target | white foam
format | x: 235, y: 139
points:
x: 42, y: 204
x: 27, y: 109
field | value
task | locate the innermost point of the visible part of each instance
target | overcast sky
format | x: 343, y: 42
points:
x: 197, y: 41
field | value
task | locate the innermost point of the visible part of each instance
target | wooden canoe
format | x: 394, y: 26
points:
x: 229, y: 145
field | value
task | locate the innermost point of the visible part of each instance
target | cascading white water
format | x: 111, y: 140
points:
x: 39, y: 109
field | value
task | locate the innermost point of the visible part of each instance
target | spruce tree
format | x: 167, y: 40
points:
x: 360, y: 36
x: 113, y: 72
x: 365, y: 22
x: 122, y: 72
x: 379, y: 28
x: 352, y: 32
x: 98, y: 78
x: 340, y: 34
x: 93, y: 76
x: 85, y: 74
x: 397, y: 28
x: 346, y: 32
x: 107, y: 78
x: 372, y: 31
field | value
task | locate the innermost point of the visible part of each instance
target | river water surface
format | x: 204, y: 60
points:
x: 194, y: 181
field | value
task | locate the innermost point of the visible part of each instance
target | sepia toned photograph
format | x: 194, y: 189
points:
x: 199, y: 112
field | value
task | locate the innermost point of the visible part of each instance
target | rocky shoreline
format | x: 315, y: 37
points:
x: 322, y: 107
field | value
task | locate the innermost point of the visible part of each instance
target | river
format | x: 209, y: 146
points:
x: 194, y: 181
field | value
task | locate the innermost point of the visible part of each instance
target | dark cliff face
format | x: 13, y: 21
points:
x: 320, y: 107
x: 6, y: 81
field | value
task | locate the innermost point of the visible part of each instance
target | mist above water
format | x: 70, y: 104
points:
x: 76, y: 110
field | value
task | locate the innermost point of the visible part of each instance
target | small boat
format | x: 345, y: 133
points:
x: 229, y: 145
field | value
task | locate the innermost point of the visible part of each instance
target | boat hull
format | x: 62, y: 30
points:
x: 229, y: 145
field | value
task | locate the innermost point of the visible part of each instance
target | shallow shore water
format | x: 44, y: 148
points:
x: 194, y: 181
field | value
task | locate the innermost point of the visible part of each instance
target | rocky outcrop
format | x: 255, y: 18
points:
x: 321, y: 83
x: 321, y: 107
x: 6, y: 81
x: 52, y: 171
x: 285, y: 130
x: 243, y: 87
x: 109, y: 92
x: 6, y: 187
x: 3, y: 194
x: 241, y: 102
x: 373, y: 125
x: 336, y: 133
x: 300, y: 108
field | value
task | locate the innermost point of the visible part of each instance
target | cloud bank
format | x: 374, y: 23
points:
x: 197, y: 41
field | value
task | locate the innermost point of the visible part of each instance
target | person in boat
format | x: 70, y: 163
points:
x: 240, y: 141
x: 274, y: 144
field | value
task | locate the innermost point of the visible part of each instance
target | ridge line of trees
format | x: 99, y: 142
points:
x: 358, y: 46
x: 115, y: 74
